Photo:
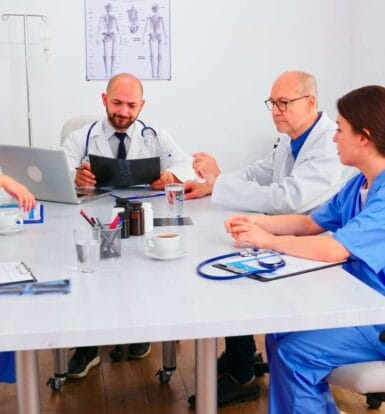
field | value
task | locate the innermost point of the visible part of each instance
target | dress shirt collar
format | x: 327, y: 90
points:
x: 109, y: 130
x: 297, y: 144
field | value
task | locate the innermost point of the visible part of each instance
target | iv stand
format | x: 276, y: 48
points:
x: 25, y: 18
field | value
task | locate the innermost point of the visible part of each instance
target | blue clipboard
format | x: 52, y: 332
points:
x: 35, y: 215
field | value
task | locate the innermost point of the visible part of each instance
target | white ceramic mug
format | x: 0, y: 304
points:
x: 164, y: 244
x: 10, y: 220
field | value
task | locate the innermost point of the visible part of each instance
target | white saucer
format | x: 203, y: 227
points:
x: 11, y: 231
x: 176, y: 255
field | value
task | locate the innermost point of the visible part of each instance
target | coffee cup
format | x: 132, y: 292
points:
x: 164, y: 244
x: 10, y: 220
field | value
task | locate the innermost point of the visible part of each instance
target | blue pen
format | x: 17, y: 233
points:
x: 138, y: 196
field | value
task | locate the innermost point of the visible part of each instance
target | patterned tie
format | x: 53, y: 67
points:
x: 122, y: 153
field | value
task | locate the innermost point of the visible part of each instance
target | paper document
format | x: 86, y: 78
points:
x: 15, y: 272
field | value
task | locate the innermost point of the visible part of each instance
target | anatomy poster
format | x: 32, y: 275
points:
x: 128, y: 36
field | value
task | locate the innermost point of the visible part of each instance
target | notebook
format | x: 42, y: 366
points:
x: 45, y: 173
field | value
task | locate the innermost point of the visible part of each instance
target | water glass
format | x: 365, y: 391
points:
x: 87, y: 245
x: 174, y: 198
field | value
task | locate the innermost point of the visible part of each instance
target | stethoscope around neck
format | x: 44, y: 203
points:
x: 147, y: 133
x: 268, y: 264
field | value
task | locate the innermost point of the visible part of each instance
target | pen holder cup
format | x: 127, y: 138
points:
x: 110, y: 244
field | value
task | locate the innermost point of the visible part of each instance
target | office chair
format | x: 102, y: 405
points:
x: 367, y: 378
x: 75, y: 123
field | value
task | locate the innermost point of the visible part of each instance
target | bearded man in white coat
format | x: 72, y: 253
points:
x: 121, y: 135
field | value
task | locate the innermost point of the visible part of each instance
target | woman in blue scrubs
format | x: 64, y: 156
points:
x: 300, y: 361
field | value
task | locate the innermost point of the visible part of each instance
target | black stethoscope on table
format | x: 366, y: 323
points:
x: 268, y: 260
x: 147, y: 133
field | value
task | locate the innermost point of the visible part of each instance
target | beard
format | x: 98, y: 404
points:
x: 120, y: 122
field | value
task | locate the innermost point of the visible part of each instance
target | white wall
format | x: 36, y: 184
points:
x: 225, y: 55
x: 368, y: 45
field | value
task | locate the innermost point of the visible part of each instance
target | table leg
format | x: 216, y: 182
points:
x: 206, y: 375
x: 27, y: 377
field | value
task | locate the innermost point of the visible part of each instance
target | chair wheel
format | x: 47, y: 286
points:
x: 117, y: 353
x: 164, y: 376
x: 55, y: 383
x: 373, y: 402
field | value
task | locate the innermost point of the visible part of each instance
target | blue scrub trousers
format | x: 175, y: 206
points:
x: 7, y: 367
x: 300, y: 361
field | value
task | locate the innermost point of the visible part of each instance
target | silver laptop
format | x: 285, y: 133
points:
x: 45, y: 173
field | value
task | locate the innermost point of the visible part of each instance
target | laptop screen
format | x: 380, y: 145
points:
x: 44, y: 172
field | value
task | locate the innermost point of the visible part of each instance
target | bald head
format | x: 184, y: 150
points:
x: 123, y: 100
x: 125, y: 80
x: 302, y: 83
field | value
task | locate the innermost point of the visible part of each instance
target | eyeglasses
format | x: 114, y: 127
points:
x: 281, y: 104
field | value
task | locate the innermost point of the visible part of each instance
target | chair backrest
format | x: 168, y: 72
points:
x: 75, y: 123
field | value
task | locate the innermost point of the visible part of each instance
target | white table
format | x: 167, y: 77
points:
x: 137, y: 299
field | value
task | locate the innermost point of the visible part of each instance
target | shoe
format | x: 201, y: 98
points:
x: 229, y: 391
x: 138, y: 351
x: 260, y: 367
x: 82, y: 360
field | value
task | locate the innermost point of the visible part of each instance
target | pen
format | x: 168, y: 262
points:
x: 138, y: 196
x: 114, y: 223
x: 84, y: 214
x: 99, y: 223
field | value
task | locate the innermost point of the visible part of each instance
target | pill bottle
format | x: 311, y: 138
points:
x: 136, y: 218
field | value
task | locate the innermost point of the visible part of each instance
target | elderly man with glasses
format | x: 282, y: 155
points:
x: 299, y: 174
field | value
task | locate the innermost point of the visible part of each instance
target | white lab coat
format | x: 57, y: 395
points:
x: 172, y: 157
x: 280, y: 184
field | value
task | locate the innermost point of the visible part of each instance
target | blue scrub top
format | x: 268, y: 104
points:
x: 361, y: 231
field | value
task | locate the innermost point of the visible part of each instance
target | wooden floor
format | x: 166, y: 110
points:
x: 130, y: 387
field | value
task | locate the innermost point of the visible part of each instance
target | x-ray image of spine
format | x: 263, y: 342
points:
x: 157, y: 38
x: 108, y: 33
x: 133, y: 19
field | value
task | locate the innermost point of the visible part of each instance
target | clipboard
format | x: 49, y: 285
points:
x: 34, y: 216
x: 294, y: 266
x: 15, y: 272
